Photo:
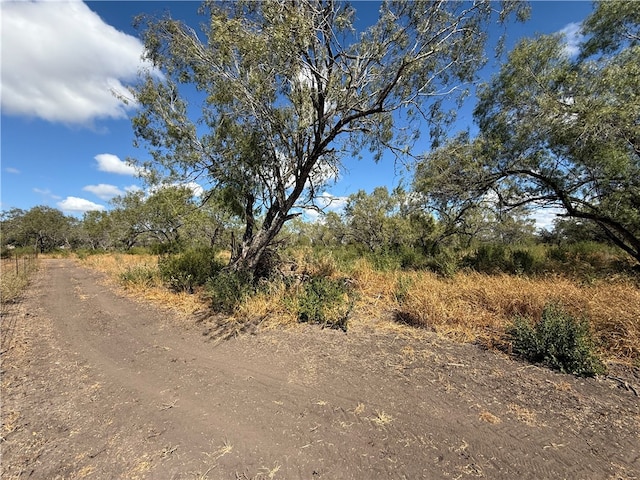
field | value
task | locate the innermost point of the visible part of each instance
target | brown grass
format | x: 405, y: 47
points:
x: 478, y: 307
x: 13, y: 281
x: 470, y: 307
x: 115, y: 265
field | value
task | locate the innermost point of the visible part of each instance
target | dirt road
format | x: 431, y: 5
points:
x: 97, y: 385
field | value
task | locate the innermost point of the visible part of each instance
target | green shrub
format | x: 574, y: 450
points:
x: 165, y: 248
x: 384, y: 260
x: 489, y: 258
x: 444, y: 263
x: 138, y: 251
x: 191, y: 268
x: 411, y: 258
x: 325, y: 301
x: 404, y: 285
x: 558, y: 340
x: 523, y: 261
x: 227, y: 290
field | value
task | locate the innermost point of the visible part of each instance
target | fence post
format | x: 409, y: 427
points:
x: 17, y: 266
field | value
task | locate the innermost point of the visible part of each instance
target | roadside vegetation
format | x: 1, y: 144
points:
x: 511, y: 312
x: 454, y: 250
x: 16, y: 266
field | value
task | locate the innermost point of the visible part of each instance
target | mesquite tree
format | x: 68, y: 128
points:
x: 290, y: 87
x: 557, y: 130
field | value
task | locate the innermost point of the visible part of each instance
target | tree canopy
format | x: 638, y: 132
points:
x: 289, y: 88
x: 557, y: 130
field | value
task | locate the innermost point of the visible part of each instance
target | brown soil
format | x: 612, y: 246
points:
x: 97, y: 385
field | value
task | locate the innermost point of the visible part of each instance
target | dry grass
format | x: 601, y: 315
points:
x: 118, y: 265
x: 473, y: 306
x: 469, y: 307
x: 12, y: 282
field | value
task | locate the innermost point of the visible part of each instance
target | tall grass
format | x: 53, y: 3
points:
x: 480, y: 307
x: 14, y: 278
x: 466, y: 306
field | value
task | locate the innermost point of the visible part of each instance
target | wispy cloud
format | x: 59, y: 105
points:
x: 573, y: 37
x: 62, y: 63
x: 78, y: 205
x: 104, y: 191
x: 12, y: 170
x: 45, y: 192
x: 112, y: 164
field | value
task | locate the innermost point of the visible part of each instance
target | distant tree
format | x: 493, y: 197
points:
x: 571, y: 230
x: 10, y: 227
x: 383, y: 220
x: 289, y: 88
x: 558, y: 131
x: 43, y: 228
x: 156, y: 219
x: 97, y: 229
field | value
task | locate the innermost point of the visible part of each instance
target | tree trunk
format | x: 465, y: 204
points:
x: 246, y: 257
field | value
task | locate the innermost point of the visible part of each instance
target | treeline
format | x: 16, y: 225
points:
x: 393, y: 229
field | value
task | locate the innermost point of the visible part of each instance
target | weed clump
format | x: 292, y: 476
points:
x: 142, y: 275
x: 558, y: 340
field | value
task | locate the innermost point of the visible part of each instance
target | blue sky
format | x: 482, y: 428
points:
x: 65, y: 137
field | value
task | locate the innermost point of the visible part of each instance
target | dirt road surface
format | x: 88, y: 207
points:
x: 98, y: 385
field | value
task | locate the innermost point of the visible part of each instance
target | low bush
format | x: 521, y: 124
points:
x: 558, y: 340
x: 489, y: 258
x: 189, y: 269
x: 227, y: 290
x: 325, y: 301
x: 444, y: 263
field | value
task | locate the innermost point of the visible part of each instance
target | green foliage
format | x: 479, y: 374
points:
x: 403, y: 286
x: 42, y: 227
x: 490, y: 258
x: 497, y: 258
x: 191, y: 268
x: 524, y: 261
x: 558, y: 340
x: 325, y: 301
x: 228, y: 289
x: 444, y: 262
x: 556, y: 130
x: 285, y: 98
x: 138, y: 251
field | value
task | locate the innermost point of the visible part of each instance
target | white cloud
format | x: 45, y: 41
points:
x: 12, y: 170
x: 195, y: 188
x: 331, y: 202
x: 78, y: 205
x: 327, y: 202
x: 572, y: 39
x: 104, y: 191
x: 61, y: 62
x: 544, y: 217
x: 47, y: 193
x: 112, y: 164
